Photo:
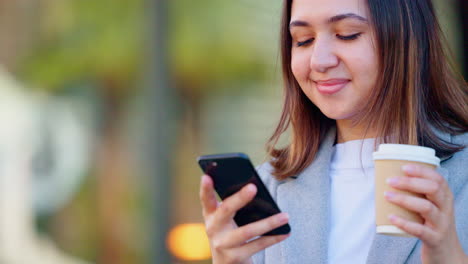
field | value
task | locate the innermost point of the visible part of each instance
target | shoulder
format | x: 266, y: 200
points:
x: 265, y: 171
x: 458, y: 179
x: 461, y: 139
x: 460, y: 158
x: 455, y: 166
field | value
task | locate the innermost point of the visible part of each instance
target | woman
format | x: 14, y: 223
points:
x: 357, y: 73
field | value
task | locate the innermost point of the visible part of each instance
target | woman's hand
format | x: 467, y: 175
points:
x: 229, y: 243
x: 438, y: 232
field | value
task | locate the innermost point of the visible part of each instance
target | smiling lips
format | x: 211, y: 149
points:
x: 331, y: 86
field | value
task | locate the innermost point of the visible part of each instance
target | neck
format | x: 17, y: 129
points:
x: 346, y: 131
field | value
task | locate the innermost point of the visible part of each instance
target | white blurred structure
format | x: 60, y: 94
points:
x: 24, y: 190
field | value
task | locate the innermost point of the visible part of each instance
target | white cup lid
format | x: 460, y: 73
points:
x: 406, y: 152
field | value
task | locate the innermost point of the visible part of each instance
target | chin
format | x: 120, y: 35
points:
x: 335, y: 114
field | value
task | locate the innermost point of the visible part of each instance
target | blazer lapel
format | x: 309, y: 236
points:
x: 396, y: 250
x: 306, y: 200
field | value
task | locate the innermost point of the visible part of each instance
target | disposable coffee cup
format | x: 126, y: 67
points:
x: 388, y: 162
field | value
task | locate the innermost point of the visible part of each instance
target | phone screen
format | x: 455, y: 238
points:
x: 231, y: 172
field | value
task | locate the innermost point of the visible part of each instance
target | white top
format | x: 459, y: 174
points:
x: 352, y: 202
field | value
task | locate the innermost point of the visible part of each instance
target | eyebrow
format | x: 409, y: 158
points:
x: 333, y: 19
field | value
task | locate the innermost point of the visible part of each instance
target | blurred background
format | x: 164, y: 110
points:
x: 105, y: 105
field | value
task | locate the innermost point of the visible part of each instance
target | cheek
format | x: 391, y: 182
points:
x: 299, y: 67
x: 367, y: 60
x: 369, y: 70
x: 363, y: 66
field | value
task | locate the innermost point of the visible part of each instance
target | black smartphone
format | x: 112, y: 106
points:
x: 232, y: 171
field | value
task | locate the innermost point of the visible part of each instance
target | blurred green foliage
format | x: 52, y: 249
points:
x: 98, y: 40
x: 213, y: 42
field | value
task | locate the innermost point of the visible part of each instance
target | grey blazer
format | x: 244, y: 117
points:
x: 306, y: 199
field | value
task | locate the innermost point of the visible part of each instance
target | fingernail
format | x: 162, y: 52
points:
x: 389, y: 195
x: 392, y: 218
x: 250, y: 187
x: 283, y: 218
x: 409, y: 168
x: 204, y: 179
x: 392, y: 181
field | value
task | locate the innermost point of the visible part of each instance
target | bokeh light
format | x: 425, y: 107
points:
x: 189, y: 242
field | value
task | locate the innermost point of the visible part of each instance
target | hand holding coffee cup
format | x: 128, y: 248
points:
x: 389, y: 161
x: 418, y: 201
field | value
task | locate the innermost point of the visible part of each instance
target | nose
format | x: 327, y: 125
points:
x: 323, y: 56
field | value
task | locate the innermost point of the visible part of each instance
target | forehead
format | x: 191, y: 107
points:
x: 318, y: 11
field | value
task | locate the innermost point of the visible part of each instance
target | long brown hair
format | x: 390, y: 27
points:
x: 418, y: 91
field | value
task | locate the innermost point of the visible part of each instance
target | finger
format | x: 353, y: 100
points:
x: 418, y: 185
x: 233, y: 203
x: 425, y: 233
x: 415, y: 170
x: 261, y: 243
x: 207, y: 195
x: 419, y: 205
x: 443, y: 196
x: 242, y: 234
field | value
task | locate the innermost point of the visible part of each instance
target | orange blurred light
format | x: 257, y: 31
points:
x: 189, y: 242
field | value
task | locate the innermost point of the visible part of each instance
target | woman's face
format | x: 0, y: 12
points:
x: 333, y: 56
